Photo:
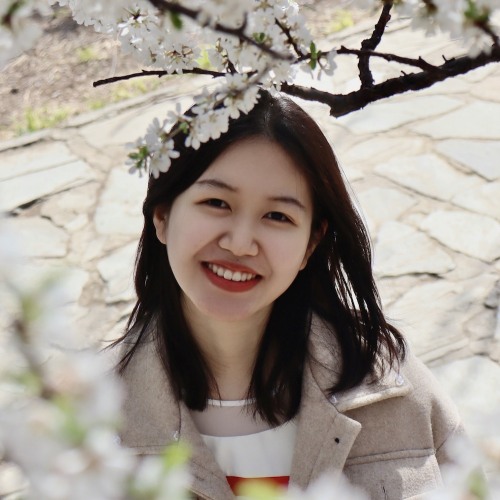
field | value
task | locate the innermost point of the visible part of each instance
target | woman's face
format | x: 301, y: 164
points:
x: 238, y: 236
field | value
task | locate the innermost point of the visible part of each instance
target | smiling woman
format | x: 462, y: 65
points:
x: 258, y: 336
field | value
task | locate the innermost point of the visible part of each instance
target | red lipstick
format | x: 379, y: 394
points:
x: 229, y: 285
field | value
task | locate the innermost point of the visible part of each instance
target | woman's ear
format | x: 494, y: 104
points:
x: 160, y: 220
x: 316, y: 237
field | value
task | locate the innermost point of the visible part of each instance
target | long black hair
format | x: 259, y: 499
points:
x: 337, y: 284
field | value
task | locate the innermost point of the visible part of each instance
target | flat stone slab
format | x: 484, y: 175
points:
x: 39, y: 237
x: 380, y: 205
x: 427, y: 174
x: 474, y: 384
x: 34, y: 158
x: 487, y: 89
x: 67, y: 208
x: 478, y: 120
x: 119, y: 210
x: 482, y: 157
x: 386, y: 115
x: 432, y: 315
x: 484, y: 199
x: 472, y: 234
x: 116, y: 269
x: 380, y: 149
x: 38, y: 171
x: 401, y: 249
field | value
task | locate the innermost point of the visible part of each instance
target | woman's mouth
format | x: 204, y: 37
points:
x: 229, y: 275
x: 230, y: 280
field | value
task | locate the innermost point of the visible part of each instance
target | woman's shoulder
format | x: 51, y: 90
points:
x: 429, y: 395
x: 406, y: 390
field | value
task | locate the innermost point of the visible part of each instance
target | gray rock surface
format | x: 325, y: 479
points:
x: 427, y: 174
x: 383, y: 116
x: 482, y: 157
x: 383, y: 204
x: 478, y: 120
x: 402, y: 249
x: 469, y: 233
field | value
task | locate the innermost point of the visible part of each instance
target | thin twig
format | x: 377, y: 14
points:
x: 418, y: 63
x: 343, y: 104
x: 290, y: 39
x: 370, y: 44
x: 175, y: 8
x: 159, y: 74
x: 21, y: 330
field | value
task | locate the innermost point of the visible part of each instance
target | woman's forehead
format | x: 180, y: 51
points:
x: 256, y: 163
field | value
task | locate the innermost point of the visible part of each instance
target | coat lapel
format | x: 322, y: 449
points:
x: 208, y: 480
x: 324, y: 436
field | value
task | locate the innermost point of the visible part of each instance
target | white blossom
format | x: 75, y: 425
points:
x: 18, y: 31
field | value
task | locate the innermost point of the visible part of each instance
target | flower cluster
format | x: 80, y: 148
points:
x: 246, y: 44
x: 470, y: 21
x: 18, y: 31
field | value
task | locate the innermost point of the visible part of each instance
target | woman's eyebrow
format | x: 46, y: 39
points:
x: 217, y: 183
x: 290, y: 200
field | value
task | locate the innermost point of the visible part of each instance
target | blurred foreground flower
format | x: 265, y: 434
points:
x: 60, y: 408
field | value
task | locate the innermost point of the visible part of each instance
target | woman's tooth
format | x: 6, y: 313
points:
x: 230, y: 275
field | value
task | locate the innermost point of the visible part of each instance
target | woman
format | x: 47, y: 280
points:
x: 258, y: 336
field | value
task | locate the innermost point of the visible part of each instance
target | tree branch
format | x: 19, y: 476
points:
x: 175, y: 8
x: 159, y: 74
x: 370, y: 44
x: 419, y: 63
x: 343, y: 104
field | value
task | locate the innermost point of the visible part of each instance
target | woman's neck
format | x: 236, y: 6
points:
x: 229, y: 348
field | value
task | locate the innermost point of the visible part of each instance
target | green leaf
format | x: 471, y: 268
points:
x: 313, y: 50
x: 475, y: 13
x: 477, y: 485
x: 184, y: 127
x: 176, y: 20
x: 175, y: 455
x: 314, y: 55
x: 259, y: 37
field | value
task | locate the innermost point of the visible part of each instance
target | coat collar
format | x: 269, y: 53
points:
x: 325, y: 435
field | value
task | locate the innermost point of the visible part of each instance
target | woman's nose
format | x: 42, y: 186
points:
x: 240, y: 240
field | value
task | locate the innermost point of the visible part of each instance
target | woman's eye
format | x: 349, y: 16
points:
x: 216, y: 203
x: 278, y: 216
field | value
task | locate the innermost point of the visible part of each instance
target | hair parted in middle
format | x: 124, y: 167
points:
x: 337, y: 284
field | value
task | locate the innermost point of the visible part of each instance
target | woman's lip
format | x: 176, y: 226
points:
x: 232, y: 266
x: 229, y: 285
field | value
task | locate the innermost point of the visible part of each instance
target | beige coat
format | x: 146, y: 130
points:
x: 388, y: 437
